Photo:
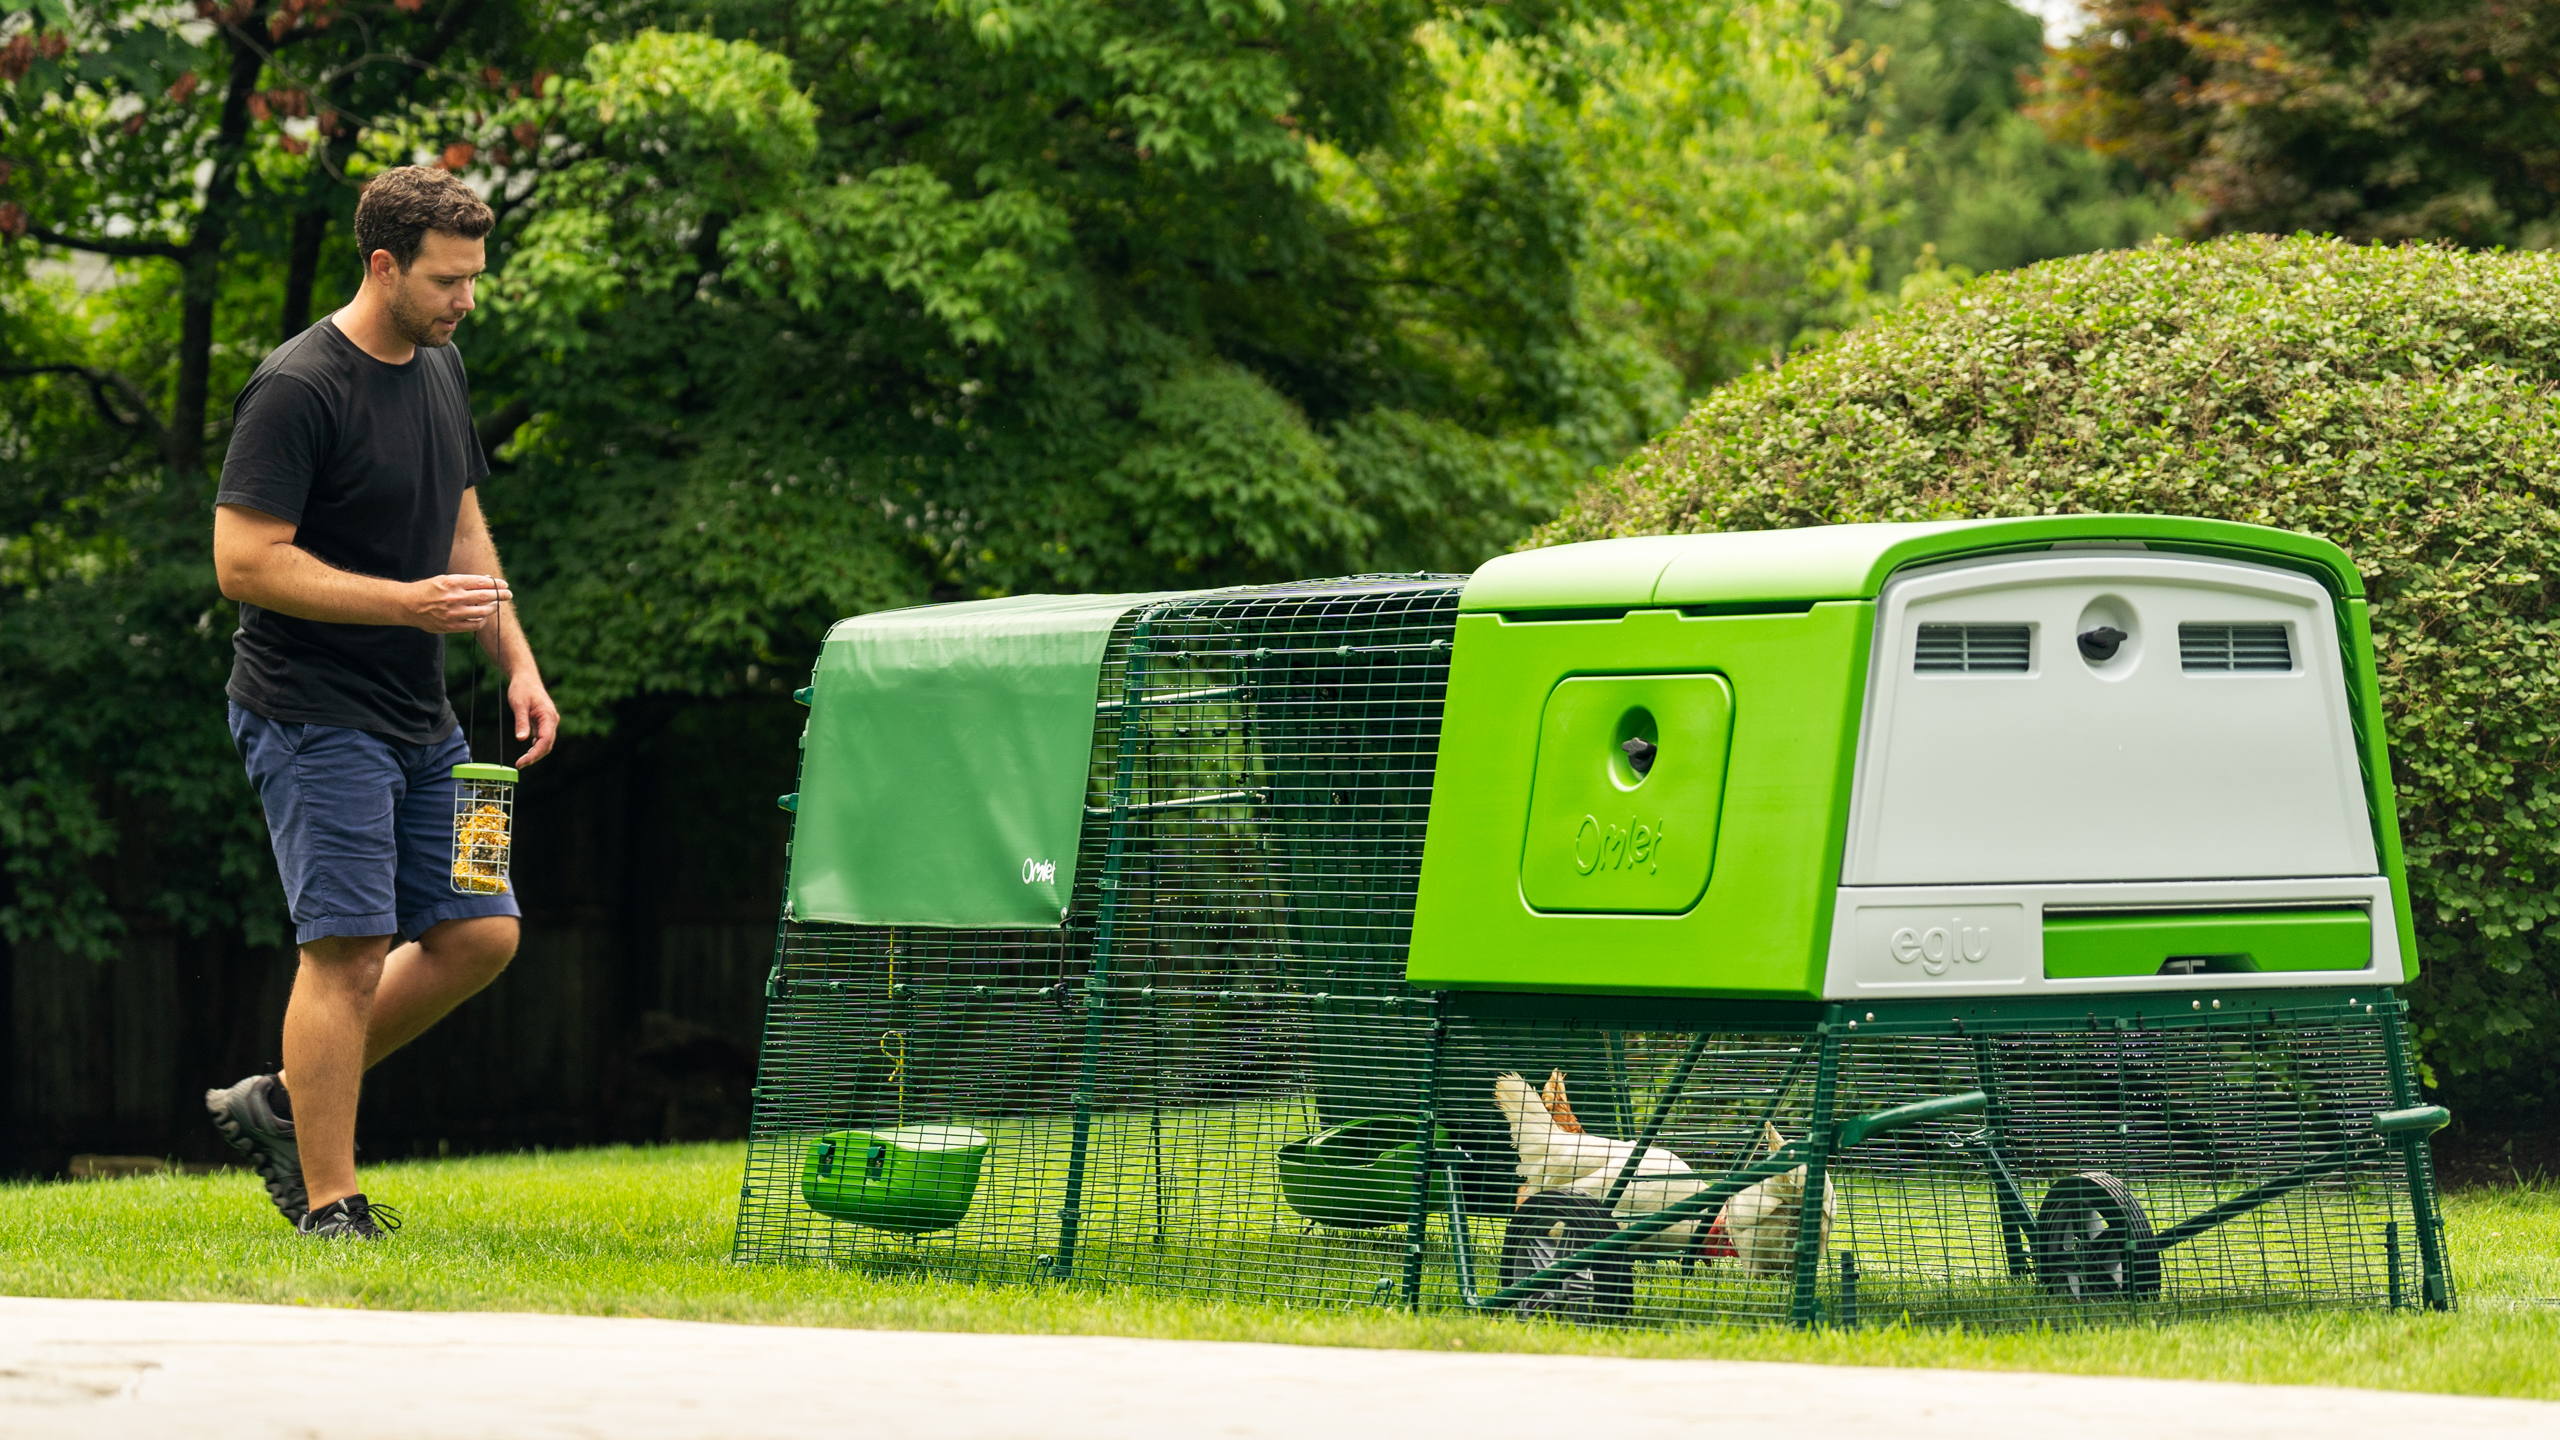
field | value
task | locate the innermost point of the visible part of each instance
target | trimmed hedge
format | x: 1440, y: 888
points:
x: 2398, y: 401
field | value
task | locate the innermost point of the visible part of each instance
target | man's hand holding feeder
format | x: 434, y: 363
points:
x: 456, y: 604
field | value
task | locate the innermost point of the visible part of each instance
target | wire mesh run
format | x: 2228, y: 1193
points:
x: 1214, y: 1080
x: 484, y: 813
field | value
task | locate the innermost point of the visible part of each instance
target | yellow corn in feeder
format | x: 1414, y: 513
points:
x: 484, y: 815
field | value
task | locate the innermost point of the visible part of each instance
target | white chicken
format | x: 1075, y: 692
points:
x: 1556, y: 1153
x: 1758, y: 1225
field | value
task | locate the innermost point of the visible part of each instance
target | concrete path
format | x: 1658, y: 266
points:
x: 104, y: 1368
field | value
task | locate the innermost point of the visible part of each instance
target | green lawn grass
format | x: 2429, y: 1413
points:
x: 646, y: 1232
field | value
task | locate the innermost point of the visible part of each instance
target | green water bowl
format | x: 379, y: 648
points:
x: 1359, y: 1176
x: 914, y: 1179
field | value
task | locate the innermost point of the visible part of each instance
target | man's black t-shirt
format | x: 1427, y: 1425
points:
x: 369, y: 461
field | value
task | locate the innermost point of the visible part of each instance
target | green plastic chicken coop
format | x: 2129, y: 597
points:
x: 1992, y: 922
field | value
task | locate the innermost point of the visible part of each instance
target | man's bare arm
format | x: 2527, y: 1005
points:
x: 256, y: 562
x: 537, y: 719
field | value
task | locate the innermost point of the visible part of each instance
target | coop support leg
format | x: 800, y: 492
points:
x: 2435, y: 1285
x: 764, y: 1109
x: 2017, y: 1224
x: 1459, y: 1252
x: 1106, y: 938
x: 1155, y: 1164
x: 1807, y: 1308
x: 2391, y: 1260
x: 1613, y: 1044
x: 1080, y: 1132
x: 1426, y: 1129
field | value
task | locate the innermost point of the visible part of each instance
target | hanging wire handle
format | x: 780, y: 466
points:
x: 504, y: 713
x: 893, y: 1044
x: 471, y: 728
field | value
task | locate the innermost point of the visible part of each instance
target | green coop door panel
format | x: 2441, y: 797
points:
x: 1628, y: 791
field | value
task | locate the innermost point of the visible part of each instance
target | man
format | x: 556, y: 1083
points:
x: 348, y: 527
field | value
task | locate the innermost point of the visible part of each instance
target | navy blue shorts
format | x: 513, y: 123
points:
x: 362, y: 827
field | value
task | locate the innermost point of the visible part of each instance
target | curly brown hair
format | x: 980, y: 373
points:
x: 400, y: 206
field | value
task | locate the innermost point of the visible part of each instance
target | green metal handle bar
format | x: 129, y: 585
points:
x: 1733, y: 1182
x: 2417, y: 1120
x: 1865, y: 1127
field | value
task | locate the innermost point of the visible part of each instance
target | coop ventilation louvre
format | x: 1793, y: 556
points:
x: 2225, y: 648
x: 1973, y: 650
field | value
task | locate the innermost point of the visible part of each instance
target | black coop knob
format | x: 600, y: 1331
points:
x: 1640, y: 753
x: 2100, y: 645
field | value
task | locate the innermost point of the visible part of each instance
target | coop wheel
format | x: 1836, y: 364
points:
x: 2094, y: 1243
x: 1546, y: 1228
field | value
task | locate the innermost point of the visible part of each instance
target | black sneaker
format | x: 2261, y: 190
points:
x: 246, y: 1116
x: 351, y: 1218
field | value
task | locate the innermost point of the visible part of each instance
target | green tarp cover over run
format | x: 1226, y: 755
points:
x: 944, y: 779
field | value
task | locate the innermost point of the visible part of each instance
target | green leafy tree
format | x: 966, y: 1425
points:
x: 156, y: 135
x: 2383, y: 120
x: 119, y: 795
x: 1707, y: 207
x: 1949, y: 83
x: 804, y: 310
x: 1180, y: 294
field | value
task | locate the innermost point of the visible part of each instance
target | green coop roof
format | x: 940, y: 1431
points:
x: 1849, y: 562
x: 942, y: 779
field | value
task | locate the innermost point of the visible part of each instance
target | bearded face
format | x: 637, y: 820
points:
x: 420, y: 319
x: 430, y: 297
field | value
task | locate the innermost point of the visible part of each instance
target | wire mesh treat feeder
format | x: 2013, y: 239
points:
x: 1987, y: 922
x: 484, y: 818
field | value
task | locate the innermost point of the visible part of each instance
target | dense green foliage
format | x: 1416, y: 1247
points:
x: 1065, y: 298
x: 2400, y: 402
x: 1946, y: 84
x: 647, y: 1232
x: 2379, y: 119
x: 190, y: 138
x: 114, y: 647
x: 802, y: 310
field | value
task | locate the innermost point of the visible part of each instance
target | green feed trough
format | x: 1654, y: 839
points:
x: 1361, y: 1175
x: 1988, y: 922
x: 911, y: 1180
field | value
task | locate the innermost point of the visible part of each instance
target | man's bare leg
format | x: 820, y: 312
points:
x: 425, y: 979
x: 331, y: 1037
x: 325, y: 1029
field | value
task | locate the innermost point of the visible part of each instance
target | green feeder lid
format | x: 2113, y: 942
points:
x: 504, y: 773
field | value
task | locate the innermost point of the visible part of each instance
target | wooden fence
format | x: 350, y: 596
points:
x: 631, y: 1014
